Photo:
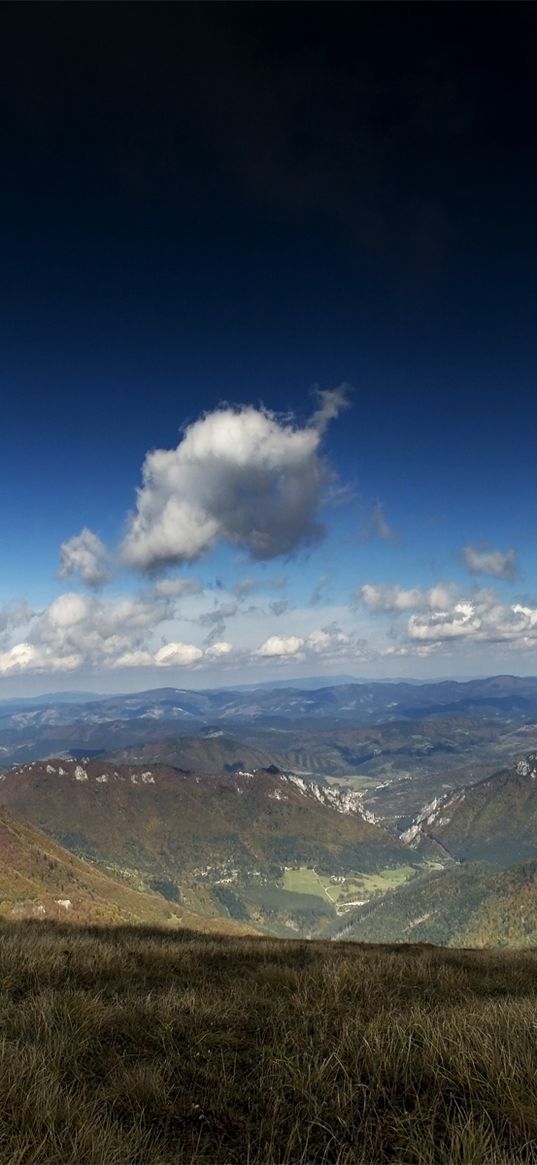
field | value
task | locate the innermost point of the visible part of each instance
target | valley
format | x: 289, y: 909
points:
x: 339, y: 819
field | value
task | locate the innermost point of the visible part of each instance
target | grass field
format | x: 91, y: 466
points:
x: 138, y: 1047
x: 305, y: 881
x: 387, y: 879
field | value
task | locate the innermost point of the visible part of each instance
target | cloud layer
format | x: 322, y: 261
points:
x: 443, y: 614
x: 86, y: 632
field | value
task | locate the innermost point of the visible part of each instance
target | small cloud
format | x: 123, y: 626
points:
x: 281, y: 645
x: 247, y: 586
x: 219, y: 650
x: 177, y: 655
x: 216, y: 619
x: 318, y: 592
x: 483, y: 559
x: 378, y: 526
x: 85, y: 555
x: 279, y: 607
x: 178, y: 587
x: 331, y: 403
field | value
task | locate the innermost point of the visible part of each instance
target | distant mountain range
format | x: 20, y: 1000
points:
x: 357, y: 703
x: 383, y: 732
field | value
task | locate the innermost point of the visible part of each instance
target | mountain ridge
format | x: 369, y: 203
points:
x: 206, y: 842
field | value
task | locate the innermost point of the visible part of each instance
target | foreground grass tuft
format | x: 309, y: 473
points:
x: 139, y: 1047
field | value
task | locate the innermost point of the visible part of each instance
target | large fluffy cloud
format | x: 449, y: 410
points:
x: 496, y: 563
x: 240, y: 474
x: 85, y: 555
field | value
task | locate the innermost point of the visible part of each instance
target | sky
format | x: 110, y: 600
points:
x: 268, y: 346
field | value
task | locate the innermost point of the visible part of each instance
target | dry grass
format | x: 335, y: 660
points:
x: 135, y: 1047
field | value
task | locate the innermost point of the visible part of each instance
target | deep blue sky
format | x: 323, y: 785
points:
x: 213, y: 202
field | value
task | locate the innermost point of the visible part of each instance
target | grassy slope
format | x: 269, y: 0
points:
x: 37, y: 874
x: 149, y: 1048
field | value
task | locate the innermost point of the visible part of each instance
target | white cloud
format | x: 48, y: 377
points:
x: 462, y: 621
x: 280, y: 645
x: 177, y: 655
x: 244, y: 475
x: 380, y: 525
x: 442, y: 615
x: 247, y: 586
x: 219, y: 650
x: 82, y: 630
x: 23, y: 657
x: 497, y: 563
x: 329, y: 641
x: 134, y: 659
x: 86, y: 556
x: 481, y: 618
